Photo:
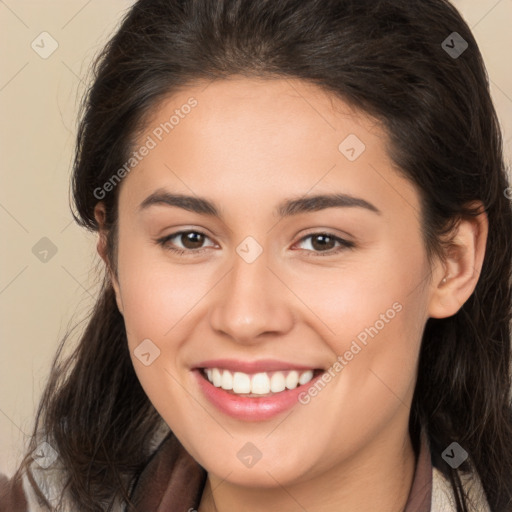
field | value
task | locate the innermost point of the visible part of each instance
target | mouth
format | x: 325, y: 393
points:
x: 254, y: 391
x: 259, y: 384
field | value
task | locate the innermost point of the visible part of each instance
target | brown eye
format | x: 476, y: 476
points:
x: 186, y: 241
x: 325, y: 244
x: 192, y: 239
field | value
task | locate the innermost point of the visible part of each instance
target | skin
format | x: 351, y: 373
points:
x: 248, y: 145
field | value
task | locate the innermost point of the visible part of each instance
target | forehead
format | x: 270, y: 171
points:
x: 262, y: 139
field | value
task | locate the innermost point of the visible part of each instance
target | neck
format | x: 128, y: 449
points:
x: 379, y: 478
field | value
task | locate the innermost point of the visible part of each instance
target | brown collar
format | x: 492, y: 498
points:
x: 173, y: 480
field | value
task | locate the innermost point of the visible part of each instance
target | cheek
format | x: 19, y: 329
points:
x: 367, y: 295
x: 372, y: 315
x: 372, y: 320
x: 156, y: 295
x: 158, y: 299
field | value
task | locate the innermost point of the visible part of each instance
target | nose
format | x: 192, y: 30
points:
x: 252, y: 303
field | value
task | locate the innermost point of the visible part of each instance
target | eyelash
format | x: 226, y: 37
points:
x: 344, y: 244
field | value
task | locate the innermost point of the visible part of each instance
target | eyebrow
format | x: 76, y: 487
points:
x: 287, y: 208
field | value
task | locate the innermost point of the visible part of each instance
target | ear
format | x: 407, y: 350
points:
x: 100, y: 216
x: 462, y: 266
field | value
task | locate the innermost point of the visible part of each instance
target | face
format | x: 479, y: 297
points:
x: 310, y: 310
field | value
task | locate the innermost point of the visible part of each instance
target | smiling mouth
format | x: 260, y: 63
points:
x: 257, y: 384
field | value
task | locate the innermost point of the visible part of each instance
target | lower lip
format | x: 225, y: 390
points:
x: 251, y: 409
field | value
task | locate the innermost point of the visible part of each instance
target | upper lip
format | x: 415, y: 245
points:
x: 261, y: 365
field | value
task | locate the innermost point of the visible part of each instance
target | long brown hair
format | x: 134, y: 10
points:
x: 385, y: 58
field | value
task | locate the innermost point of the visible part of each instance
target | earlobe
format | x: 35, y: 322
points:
x: 462, y: 266
x: 117, y: 291
x: 101, y: 246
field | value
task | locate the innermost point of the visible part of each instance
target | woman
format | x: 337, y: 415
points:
x: 302, y: 209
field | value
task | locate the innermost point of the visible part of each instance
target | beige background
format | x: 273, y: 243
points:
x: 38, y: 101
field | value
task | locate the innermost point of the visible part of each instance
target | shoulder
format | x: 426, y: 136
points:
x: 443, y: 499
x: 12, y: 495
x: 21, y: 492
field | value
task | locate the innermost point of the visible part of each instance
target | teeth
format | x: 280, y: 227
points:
x: 305, y: 377
x: 261, y: 383
x: 227, y: 380
x: 216, y: 377
x: 277, y: 382
x: 241, y: 383
x: 292, y: 379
